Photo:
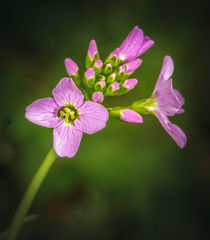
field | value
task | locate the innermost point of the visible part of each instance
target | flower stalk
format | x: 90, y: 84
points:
x: 30, y: 195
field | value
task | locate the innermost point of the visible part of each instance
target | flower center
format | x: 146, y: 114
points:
x: 69, y: 113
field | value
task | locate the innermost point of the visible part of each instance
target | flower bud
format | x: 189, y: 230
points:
x: 130, y: 83
x: 98, y: 64
x: 89, y: 77
x: 72, y: 70
x: 113, y: 58
x: 111, y: 78
x: 128, y: 115
x: 98, y: 97
x: 112, y: 89
x: 127, y: 85
x: 108, y: 68
x: 92, y: 54
x: 100, y: 85
x: 101, y: 78
x: 129, y: 68
x: 125, y: 114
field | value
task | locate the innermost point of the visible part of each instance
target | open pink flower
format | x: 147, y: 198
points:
x: 134, y: 45
x: 69, y: 115
x: 168, y: 102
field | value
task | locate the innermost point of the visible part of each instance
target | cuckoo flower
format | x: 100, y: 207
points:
x: 69, y: 115
x: 168, y: 102
x: 134, y: 45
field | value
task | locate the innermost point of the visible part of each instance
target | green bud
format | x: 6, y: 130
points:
x: 107, y: 68
x: 111, y: 78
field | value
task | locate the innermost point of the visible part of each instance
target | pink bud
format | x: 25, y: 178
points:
x: 115, y: 86
x: 102, y: 84
x: 71, y: 67
x: 89, y: 74
x: 92, y: 50
x: 98, y: 97
x: 128, y: 115
x: 98, y: 63
x: 130, y: 83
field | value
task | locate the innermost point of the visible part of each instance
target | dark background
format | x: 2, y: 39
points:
x: 127, y: 181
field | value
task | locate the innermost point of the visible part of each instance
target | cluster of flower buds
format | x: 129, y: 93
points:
x: 111, y: 77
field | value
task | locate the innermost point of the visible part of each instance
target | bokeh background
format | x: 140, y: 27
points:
x: 127, y: 181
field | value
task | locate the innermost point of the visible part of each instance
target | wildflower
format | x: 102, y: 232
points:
x: 165, y: 101
x: 134, y: 45
x: 69, y: 115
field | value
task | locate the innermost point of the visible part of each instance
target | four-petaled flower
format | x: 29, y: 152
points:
x: 69, y: 115
x: 168, y: 102
x: 133, y: 46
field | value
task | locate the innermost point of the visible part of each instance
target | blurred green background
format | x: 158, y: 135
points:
x: 127, y: 181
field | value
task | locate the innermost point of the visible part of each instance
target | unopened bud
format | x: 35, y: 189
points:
x: 100, y: 85
x: 112, y: 89
x: 101, y: 78
x: 128, y: 115
x: 125, y: 114
x: 72, y: 70
x: 89, y: 77
x: 92, y: 54
x: 111, y: 78
x: 108, y: 68
x: 130, y: 67
x: 113, y: 58
x: 98, y: 97
x: 130, y: 83
x: 98, y: 64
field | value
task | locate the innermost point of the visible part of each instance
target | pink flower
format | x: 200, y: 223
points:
x: 168, y: 102
x: 69, y: 115
x: 134, y: 45
x: 128, y: 115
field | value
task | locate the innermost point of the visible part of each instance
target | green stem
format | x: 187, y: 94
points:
x: 30, y: 194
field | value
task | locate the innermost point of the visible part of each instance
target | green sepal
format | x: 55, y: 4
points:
x: 89, y: 83
x: 89, y: 62
x: 107, y: 69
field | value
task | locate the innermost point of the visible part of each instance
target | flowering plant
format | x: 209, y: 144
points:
x: 76, y: 106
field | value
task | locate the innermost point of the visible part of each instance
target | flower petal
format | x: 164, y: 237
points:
x: 66, y: 140
x: 93, y: 117
x: 173, y: 130
x: 147, y: 43
x: 66, y: 92
x: 167, y: 99
x: 129, y: 48
x: 179, y: 96
x: 128, y: 115
x: 43, y: 112
x: 166, y: 71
